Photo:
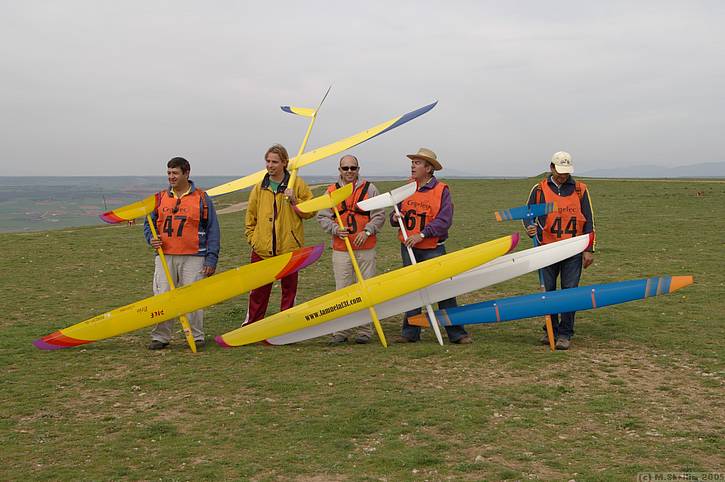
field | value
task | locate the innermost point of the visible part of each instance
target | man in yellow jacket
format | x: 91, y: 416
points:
x: 273, y: 226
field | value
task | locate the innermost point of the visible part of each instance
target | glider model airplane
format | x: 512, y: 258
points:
x: 377, y: 290
x: 185, y: 299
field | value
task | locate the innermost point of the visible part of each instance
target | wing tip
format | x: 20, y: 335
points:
x: 514, y: 241
x: 220, y: 341
x: 110, y: 218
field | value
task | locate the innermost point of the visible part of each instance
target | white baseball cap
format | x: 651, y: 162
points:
x: 562, y: 162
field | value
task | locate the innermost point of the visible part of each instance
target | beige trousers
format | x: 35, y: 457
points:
x: 345, y: 276
x: 184, y: 270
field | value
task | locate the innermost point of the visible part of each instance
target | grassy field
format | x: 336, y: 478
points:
x: 641, y: 389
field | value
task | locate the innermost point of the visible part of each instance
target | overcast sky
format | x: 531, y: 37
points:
x: 119, y: 87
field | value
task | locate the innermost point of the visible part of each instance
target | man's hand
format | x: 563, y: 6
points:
x: 587, y: 259
x: 342, y: 233
x: 361, y: 237
x: 156, y: 243
x: 413, y: 240
x: 208, y: 270
x: 290, y: 195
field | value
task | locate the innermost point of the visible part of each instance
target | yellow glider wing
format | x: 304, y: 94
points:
x: 327, y: 200
x: 139, y: 209
x: 322, y: 152
x: 381, y: 288
x: 184, y: 299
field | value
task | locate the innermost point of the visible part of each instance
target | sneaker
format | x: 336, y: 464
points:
x: 464, y: 340
x: 200, y: 345
x: 157, y: 345
x: 337, y: 340
x: 362, y: 339
x: 562, y: 343
x: 403, y: 339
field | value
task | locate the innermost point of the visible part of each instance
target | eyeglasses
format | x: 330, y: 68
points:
x: 349, y: 168
x: 176, y: 208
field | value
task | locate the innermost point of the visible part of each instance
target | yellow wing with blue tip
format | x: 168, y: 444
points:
x: 322, y: 152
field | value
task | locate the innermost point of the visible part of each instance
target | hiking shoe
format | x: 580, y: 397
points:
x: 562, y: 343
x: 157, y: 345
x: 403, y: 339
x: 362, y: 339
x: 337, y: 340
x: 464, y: 340
x: 544, y: 340
x: 200, y: 345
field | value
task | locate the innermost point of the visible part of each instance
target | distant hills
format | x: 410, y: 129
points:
x: 704, y: 169
x: 701, y: 170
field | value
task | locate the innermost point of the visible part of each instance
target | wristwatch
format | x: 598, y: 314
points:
x: 367, y: 232
x: 421, y: 234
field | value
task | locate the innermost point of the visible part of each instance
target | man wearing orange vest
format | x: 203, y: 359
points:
x: 573, y: 217
x: 188, y: 231
x: 361, y: 227
x: 427, y: 216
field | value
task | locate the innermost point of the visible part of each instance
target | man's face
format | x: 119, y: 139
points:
x: 176, y: 177
x: 558, y: 178
x: 275, y: 166
x: 419, y: 169
x: 348, y: 169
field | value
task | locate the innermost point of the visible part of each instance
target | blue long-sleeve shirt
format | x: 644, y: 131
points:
x: 209, y: 232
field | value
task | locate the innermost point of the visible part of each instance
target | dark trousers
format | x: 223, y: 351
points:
x: 413, y: 332
x: 570, y: 271
x: 259, y: 297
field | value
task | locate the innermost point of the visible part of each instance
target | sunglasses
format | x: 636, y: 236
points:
x: 349, y: 168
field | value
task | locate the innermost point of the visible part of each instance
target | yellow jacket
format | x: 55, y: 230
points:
x: 267, y: 209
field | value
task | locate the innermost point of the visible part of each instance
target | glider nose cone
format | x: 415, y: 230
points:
x: 678, y: 282
x: 41, y: 345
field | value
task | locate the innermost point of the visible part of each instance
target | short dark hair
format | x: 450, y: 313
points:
x: 181, y: 163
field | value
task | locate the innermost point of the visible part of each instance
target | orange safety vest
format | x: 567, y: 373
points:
x: 419, y: 209
x: 353, y: 217
x: 568, y: 220
x: 179, y: 219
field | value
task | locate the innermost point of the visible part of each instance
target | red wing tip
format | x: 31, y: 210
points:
x: 110, y: 218
x: 498, y: 216
x: 514, y: 241
x: 220, y: 341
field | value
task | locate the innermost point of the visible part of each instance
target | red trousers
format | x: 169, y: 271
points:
x: 259, y: 298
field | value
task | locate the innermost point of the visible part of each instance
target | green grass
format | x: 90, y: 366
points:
x: 640, y: 390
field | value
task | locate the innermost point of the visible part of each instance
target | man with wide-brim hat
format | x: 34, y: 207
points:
x: 427, y: 216
x: 573, y: 217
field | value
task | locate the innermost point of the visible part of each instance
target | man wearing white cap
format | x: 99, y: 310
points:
x: 573, y: 217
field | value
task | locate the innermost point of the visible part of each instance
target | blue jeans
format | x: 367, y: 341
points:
x: 570, y: 270
x: 413, y: 332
